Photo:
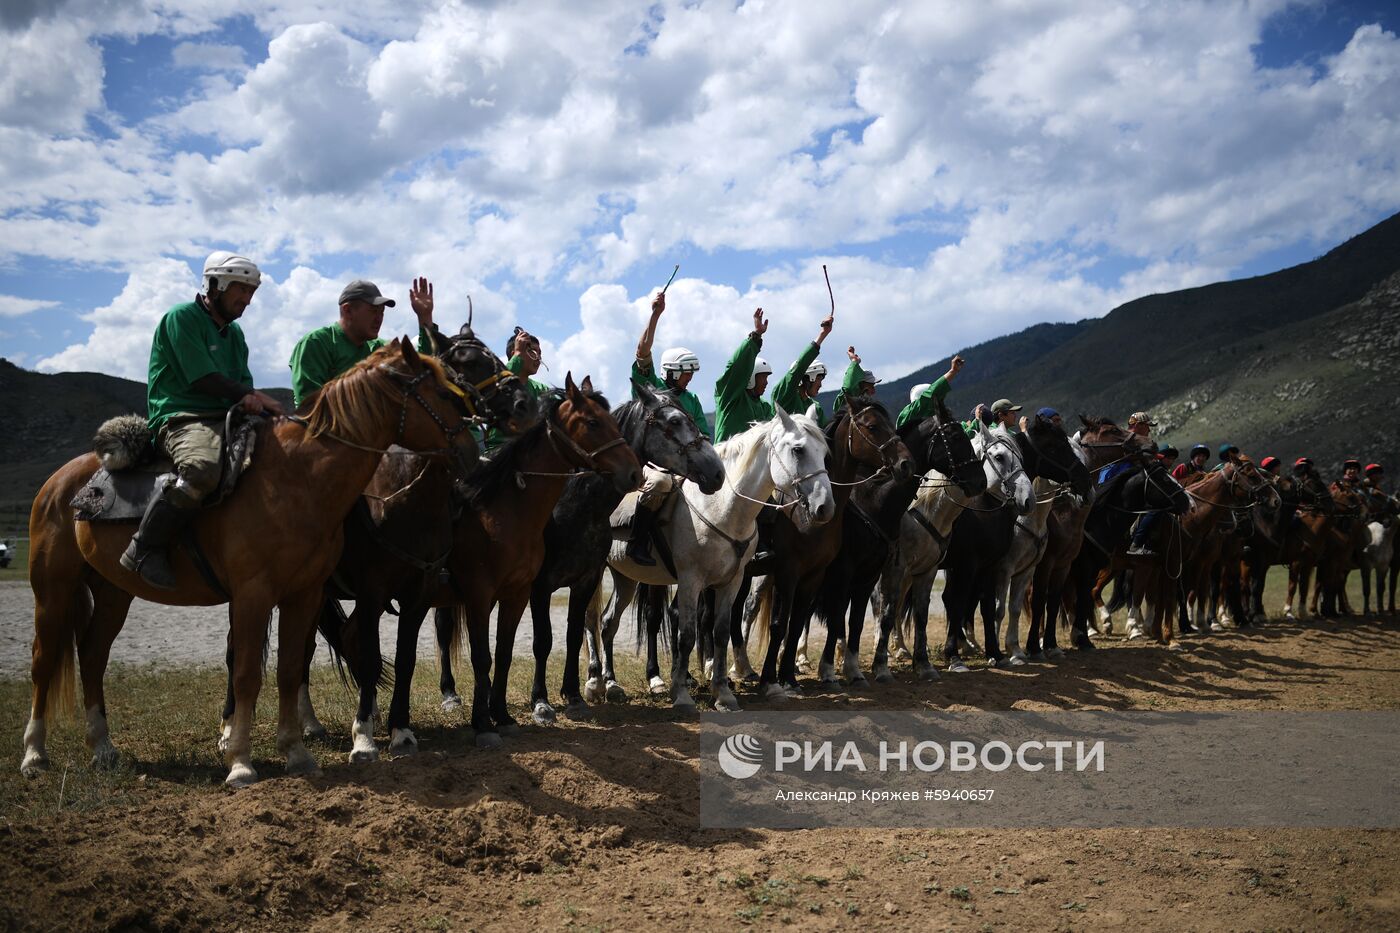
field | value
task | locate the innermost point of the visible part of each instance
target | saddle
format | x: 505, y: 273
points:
x: 621, y: 524
x: 132, y: 474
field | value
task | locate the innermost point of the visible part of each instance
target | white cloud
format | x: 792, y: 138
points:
x: 14, y: 306
x: 208, y: 56
x: 50, y: 77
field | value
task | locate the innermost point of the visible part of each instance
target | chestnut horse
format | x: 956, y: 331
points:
x: 272, y: 543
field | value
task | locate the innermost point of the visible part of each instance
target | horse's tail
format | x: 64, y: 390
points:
x: 458, y: 620
x: 61, y: 696
x: 333, y: 625
x: 1122, y: 586
x: 641, y: 602
x: 762, y: 617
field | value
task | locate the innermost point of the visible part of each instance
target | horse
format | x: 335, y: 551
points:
x: 397, y: 540
x: 499, y: 544
x: 980, y: 538
x: 1375, y: 561
x: 309, y: 474
x: 1346, y: 537
x: 1147, y: 488
x: 712, y: 539
x: 953, y: 476
x: 861, y: 436
x: 578, y: 537
x: 1056, y: 473
x: 1215, y: 495
x: 856, y: 550
x: 1094, y: 445
x: 1281, y: 536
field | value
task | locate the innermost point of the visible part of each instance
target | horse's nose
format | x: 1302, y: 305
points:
x: 904, y: 468
x: 711, y: 478
x: 628, y: 479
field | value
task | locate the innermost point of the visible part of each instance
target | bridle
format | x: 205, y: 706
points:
x: 651, y: 420
x: 1003, y: 479
x: 888, y: 458
x: 408, y: 386
x: 479, y: 395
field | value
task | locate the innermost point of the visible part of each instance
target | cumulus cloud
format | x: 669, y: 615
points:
x: 968, y: 170
x: 14, y: 306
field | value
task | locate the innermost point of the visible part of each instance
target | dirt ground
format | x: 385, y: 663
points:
x: 592, y: 824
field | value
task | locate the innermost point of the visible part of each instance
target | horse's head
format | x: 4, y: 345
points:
x: 797, y: 466
x: 1312, y: 491
x: 1051, y: 456
x: 588, y: 436
x: 939, y: 443
x: 431, y: 408
x: 1101, y: 441
x: 493, y: 392
x: 1160, y: 489
x: 871, y: 439
x: 661, y: 432
x: 1251, y: 484
x: 1006, y: 476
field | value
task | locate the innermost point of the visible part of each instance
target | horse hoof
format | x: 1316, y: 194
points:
x: 884, y: 677
x: 726, y: 705
x: 1054, y: 654
x: 657, y: 687
x: 104, y: 759
x: 577, y: 709
x: 301, y: 762
x: 957, y: 666
x: 593, y: 691
x: 999, y: 662
x: 240, y: 776
x: 615, y: 693
x: 858, y: 683
x: 773, y: 692
x: 316, y: 733
x: 508, y: 728
x: 1038, y: 657
x: 1176, y: 646
x: 1015, y: 661
x: 488, y: 740
x: 543, y: 713
x: 450, y: 702
x: 362, y: 756
x: 804, y: 664
x: 902, y: 654
x: 34, y: 764
x: 403, y: 744
x: 928, y: 674
x: 684, y: 704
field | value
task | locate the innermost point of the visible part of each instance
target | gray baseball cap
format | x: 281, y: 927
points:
x: 1004, y: 404
x: 362, y: 290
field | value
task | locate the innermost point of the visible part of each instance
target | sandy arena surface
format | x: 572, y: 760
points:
x: 592, y: 824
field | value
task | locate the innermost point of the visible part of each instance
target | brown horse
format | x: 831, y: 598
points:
x: 498, y: 546
x: 307, y: 476
x: 1099, y: 443
x: 1346, y: 537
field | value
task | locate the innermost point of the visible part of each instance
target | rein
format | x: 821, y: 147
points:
x: 555, y: 433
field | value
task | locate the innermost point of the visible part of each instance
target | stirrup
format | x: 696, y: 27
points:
x: 1141, y: 550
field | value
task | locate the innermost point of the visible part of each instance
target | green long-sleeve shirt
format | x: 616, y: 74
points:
x: 925, y: 405
x: 495, y: 437
x: 324, y: 353
x: 735, y: 406
x: 850, y: 384
x: 643, y: 371
x: 788, y: 392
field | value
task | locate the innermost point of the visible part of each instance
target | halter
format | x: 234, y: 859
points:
x: 409, y: 391
x: 651, y: 420
x: 476, y: 393
x: 1003, y: 479
x: 886, y: 458
x: 554, y: 432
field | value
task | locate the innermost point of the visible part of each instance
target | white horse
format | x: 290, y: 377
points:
x: 1376, y: 558
x: 908, y: 575
x: 713, y: 537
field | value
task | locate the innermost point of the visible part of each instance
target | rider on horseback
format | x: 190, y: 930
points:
x: 924, y: 398
x: 523, y: 351
x: 739, y: 390
x: 797, y: 391
x: 198, y: 369
x: 328, y: 351
x: 1195, y: 463
x: 1001, y: 413
x: 1229, y: 453
x: 679, y: 366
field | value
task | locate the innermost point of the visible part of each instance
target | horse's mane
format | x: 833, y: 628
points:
x: 1096, y: 422
x: 358, y: 397
x: 741, y: 449
x: 489, y: 478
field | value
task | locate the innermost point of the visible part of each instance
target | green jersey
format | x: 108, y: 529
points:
x: 735, y: 406
x: 925, y: 405
x: 187, y: 346
x: 322, y: 355
x: 494, y: 437
x: 787, y: 394
x: 643, y: 372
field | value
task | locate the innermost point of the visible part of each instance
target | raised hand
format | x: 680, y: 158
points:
x: 420, y: 297
x: 760, y: 325
x: 826, y: 324
x: 852, y: 354
x: 658, y: 304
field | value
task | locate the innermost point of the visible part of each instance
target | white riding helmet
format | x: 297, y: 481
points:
x: 918, y: 390
x: 679, y: 360
x: 760, y: 367
x: 225, y: 267
x: 818, y: 368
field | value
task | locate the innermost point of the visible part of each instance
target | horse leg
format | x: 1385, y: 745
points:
x: 777, y: 656
x: 296, y: 616
x: 725, y: 597
x: 689, y: 594
x: 884, y: 603
x: 742, y: 671
x: 109, y: 609
x: 368, y: 666
x: 953, y: 605
x: 509, y: 610
x: 1104, y: 617
x: 476, y: 616
x: 248, y: 622
x: 604, y: 687
x: 443, y: 626
x: 855, y: 628
x: 311, y: 727
x: 918, y: 599
x: 540, y: 710
x: 62, y: 610
x: 402, y: 741
x: 1015, y: 600
x: 580, y: 601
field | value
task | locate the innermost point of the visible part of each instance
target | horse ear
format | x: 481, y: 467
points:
x: 587, y: 386
x: 410, y: 355
x: 813, y: 410
x: 784, y: 418
x: 466, y: 330
x: 569, y: 386
x: 644, y: 392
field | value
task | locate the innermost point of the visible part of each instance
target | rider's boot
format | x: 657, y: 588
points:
x: 639, y: 542
x: 146, y: 554
x: 1140, y: 546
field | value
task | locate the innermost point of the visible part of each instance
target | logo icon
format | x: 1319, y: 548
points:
x: 740, y: 756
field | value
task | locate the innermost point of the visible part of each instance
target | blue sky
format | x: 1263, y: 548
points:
x: 964, y: 170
